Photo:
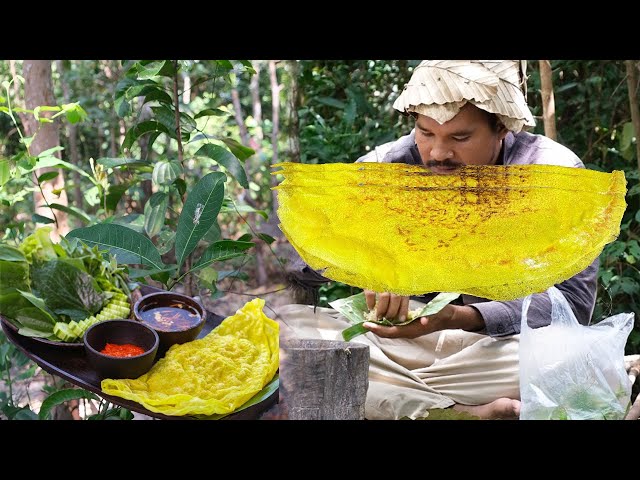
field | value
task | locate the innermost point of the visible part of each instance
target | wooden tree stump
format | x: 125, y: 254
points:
x: 324, y: 379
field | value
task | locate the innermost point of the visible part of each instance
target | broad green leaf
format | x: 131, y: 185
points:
x: 142, y: 128
x: 36, y: 218
x: 140, y: 89
x: 244, y: 209
x: 353, y: 331
x: 14, y: 271
x: 122, y: 106
x: 165, y: 172
x: 237, y: 148
x: 114, y: 195
x: 154, y: 212
x: 222, y: 250
x: 64, y: 286
x: 5, y: 171
x: 165, y: 114
x: 199, y: 213
x: 143, y: 272
x: 436, y: 304
x: 266, y: 238
x: 11, y: 254
x: 248, y: 66
x: 38, y: 303
x: 51, y: 161
x: 207, y: 278
x: 216, y: 112
x: 165, y: 241
x: 61, y: 397
x: 227, y: 159
x: 50, y: 151
x: 120, y: 162
x: 226, y: 64
x: 181, y: 186
x: 75, y: 211
x: 151, y: 69
x: 157, y: 95
x: 134, y: 221
x: 127, y: 245
x: 187, y: 123
x: 245, y: 238
x: 73, y: 111
x: 214, y: 234
x: 47, y: 176
x: 34, y: 322
x: 353, y: 308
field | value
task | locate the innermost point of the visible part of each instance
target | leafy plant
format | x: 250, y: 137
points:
x: 178, y: 232
x: 196, y: 218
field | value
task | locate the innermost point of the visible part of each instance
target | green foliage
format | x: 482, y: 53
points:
x: 332, y: 291
x: 346, y: 107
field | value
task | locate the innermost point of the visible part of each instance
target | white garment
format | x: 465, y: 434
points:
x: 407, y: 377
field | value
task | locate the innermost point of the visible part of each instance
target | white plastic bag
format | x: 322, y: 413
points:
x: 569, y: 371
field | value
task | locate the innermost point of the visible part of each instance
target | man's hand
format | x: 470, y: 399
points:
x: 390, y: 306
x: 451, y: 316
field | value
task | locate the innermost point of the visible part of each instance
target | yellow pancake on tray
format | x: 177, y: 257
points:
x: 212, y: 375
x: 491, y: 231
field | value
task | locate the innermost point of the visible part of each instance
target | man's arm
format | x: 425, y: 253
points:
x: 504, y: 318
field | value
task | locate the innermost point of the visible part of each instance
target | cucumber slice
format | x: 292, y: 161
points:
x: 63, y: 332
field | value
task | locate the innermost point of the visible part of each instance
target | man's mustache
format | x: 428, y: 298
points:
x: 443, y: 164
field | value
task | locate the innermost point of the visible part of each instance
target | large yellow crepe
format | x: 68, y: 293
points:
x: 498, y: 232
x: 212, y: 375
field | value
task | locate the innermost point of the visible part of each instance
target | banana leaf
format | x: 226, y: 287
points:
x: 354, y: 309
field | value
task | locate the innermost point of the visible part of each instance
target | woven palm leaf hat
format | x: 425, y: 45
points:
x: 440, y: 88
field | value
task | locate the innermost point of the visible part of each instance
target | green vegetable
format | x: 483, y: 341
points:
x: 355, y: 309
x: 55, y: 291
x: 118, y: 307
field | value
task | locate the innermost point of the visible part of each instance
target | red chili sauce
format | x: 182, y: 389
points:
x: 125, y: 350
x: 174, y: 318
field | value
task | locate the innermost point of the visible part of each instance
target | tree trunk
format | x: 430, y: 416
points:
x: 632, y: 83
x: 324, y: 379
x: 275, y: 121
x: 294, y: 105
x: 254, y: 88
x: 38, y: 91
x: 237, y: 110
x: 72, y: 135
x: 548, y: 102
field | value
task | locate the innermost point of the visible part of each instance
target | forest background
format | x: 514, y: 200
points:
x: 123, y: 143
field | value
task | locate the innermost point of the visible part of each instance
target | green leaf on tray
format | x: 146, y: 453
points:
x: 62, y: 285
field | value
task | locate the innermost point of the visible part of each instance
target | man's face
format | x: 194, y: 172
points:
x: 466, y: 139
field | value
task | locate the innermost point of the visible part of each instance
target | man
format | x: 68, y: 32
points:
x: 466, y: 355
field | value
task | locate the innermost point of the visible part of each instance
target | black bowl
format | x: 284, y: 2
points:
x: 120, y: 332
x: 176, y: 318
